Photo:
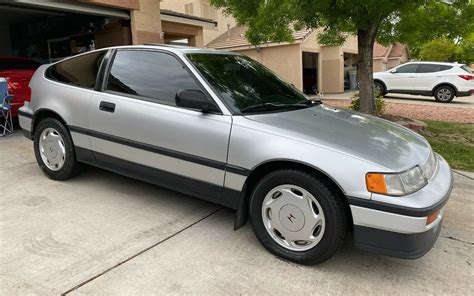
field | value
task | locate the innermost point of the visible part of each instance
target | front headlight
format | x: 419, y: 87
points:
x: 430, y: 166
x: 396, y: 184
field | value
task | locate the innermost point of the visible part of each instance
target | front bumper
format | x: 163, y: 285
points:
x: 401, y: 245
x: 401, y: 230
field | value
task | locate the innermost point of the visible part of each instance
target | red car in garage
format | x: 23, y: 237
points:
x: 18, y: 72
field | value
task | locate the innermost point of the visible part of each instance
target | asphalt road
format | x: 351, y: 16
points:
x: 102, y: 233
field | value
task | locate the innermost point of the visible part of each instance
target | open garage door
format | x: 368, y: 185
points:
x: 47, y: 31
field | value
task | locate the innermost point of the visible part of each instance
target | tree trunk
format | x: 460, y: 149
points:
x: 366, y: 40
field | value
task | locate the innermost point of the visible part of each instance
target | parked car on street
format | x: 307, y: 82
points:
x: 18, y: 72
x: 443, y: 81
x: 219, y: 126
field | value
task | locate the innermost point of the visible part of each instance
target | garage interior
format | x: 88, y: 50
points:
x: 310, y: 73
x: 47, y: 35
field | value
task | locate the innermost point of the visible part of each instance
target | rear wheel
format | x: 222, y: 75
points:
x: 297, y: 217
x: 54, y: 150
x: 379, y: 89
x: 444, y: 94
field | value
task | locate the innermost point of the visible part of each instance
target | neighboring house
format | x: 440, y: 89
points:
x: 304, y: 63
x: 202, y: 9
x: 388, y: 57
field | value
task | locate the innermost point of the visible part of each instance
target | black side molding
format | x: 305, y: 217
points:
x: 25, y: 114
x: 186, y: 185
x: 163, y: 151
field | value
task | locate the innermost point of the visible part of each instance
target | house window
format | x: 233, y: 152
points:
x: 208, y: 11
x: 189, y: 8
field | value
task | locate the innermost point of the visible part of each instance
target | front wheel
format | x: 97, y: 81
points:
x: 297, y: 217
x: 379, y: 89
x: 54, y: 150
x: 444, y: 94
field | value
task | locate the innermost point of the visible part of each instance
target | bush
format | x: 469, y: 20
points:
x: 379, y: 104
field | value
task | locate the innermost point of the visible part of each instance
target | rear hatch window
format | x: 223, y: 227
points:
x: 466, y: 69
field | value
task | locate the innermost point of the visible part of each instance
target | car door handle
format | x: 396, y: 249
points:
x: 107, y: 107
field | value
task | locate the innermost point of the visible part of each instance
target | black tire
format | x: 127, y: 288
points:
x: 444, y: 94
x: 379, y: 85
x: 331, y: 204
x: 70, y: 167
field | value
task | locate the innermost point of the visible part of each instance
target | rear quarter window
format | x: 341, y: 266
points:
x: 431, y: 68
x: 466, y: 69
x: 79, y: 71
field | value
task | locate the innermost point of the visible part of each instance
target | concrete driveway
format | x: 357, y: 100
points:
x: 464, y: 102
x: 102, y: 233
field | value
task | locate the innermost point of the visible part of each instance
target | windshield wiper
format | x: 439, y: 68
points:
x: 310, y: 102
x: 276, y: 106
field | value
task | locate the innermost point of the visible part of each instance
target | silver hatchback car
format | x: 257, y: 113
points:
x: 220, y: 126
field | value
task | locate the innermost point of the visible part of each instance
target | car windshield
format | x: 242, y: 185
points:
x: 246, y: 86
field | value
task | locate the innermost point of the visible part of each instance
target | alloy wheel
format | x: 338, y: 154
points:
x: 443, y: 94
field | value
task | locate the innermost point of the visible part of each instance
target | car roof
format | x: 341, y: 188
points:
x: 437, y: 63
x: 176, y: 48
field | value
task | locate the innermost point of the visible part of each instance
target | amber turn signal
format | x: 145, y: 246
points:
x: 431, y: 218
x: 375, y: 183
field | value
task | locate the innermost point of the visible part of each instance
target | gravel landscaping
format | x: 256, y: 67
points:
x: 420, y: 112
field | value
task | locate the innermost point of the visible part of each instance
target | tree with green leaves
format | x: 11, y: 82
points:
x: 274, y: 20
x: 435, y: 30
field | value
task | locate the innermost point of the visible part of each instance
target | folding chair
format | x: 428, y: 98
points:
x: 5, y: 109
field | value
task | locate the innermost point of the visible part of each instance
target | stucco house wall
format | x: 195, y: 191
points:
x: 284, y: 60
x: 209, y: 34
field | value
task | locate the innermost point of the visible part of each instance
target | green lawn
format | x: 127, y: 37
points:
x: 454, y: 141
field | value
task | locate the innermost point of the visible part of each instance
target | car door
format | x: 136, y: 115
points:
x: 428, y: 76
x: 137, y: 130
x: 402, y: 79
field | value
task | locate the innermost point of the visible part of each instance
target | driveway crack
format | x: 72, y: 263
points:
x: 458, y: 240
x: 139, y: 253
x: 464, y: 175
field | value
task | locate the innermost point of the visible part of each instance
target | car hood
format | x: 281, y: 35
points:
x: 367, y: 137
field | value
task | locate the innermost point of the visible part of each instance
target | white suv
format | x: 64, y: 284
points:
x: 444, y: 81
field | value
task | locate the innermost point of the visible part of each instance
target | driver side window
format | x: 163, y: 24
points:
x: 411, y: 68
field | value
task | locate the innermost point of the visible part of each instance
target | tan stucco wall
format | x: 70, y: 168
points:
x: 146, y: 23
x: 392, y: 63
x: 377, y: 65
x: 208, y: 34
x: 176, y: 31
x: 350, y: 45
x: 332, y: 70
x: 311, y: 44
x: 285, y: 61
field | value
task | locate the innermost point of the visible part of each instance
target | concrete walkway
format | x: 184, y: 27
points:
x: 102, y: 233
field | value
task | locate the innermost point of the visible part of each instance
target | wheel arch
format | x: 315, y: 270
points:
x: 266, y: 167
x: 43, y: 113
x: 444, y: 84
x: 383, y: 83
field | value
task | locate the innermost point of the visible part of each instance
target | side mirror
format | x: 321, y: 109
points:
x: 194, y: 99
x: 393, y: 71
